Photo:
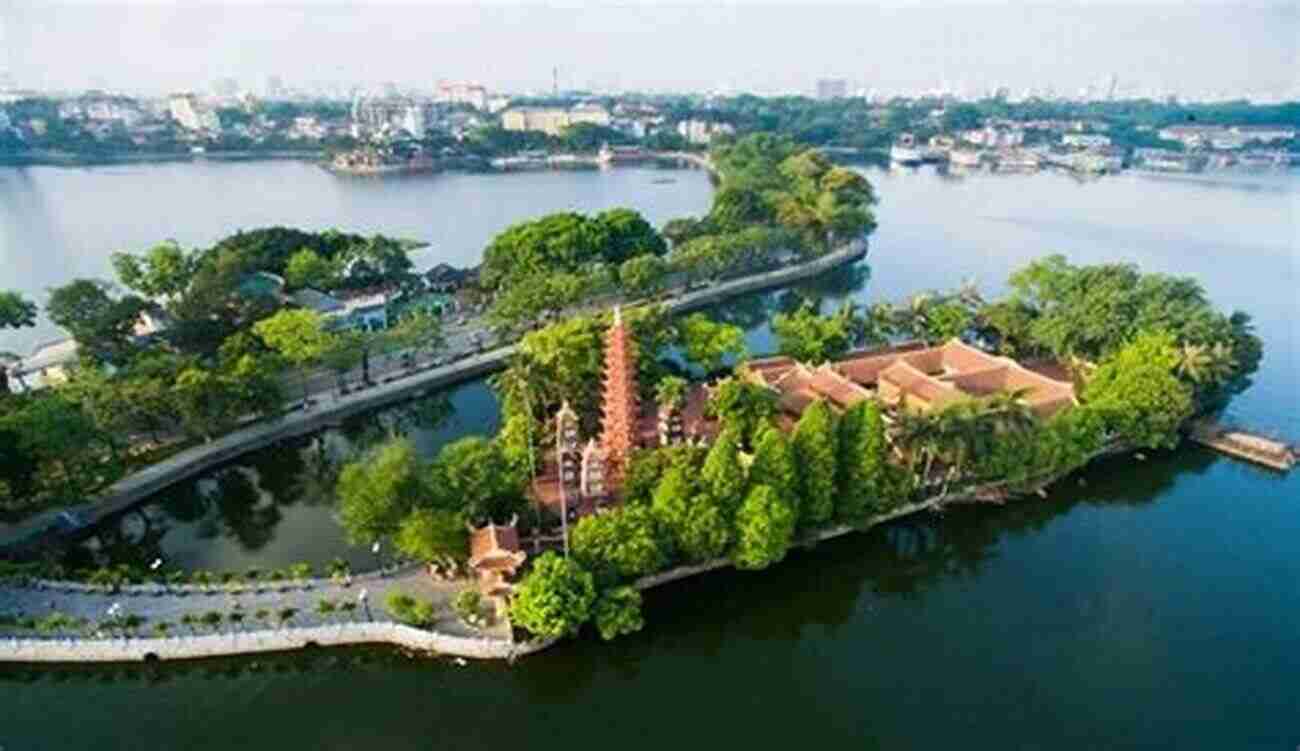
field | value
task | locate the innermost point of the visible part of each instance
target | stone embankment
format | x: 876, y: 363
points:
x: 131, y: 649
x: 331, y: 409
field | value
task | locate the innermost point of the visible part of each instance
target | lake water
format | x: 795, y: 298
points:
x: 58, y: 223
x: 1156, y: 605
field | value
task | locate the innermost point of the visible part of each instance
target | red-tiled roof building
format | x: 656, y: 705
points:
x: 495, y: 556
x: 912, y: 376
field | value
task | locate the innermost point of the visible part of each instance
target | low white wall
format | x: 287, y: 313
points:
x: 252, y: 642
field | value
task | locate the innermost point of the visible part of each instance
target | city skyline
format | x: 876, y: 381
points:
x: 962, y: 49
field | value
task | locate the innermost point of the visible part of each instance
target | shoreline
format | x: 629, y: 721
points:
x: 74, y: 650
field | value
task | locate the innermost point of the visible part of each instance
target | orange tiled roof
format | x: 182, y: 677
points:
x: 490, y: 545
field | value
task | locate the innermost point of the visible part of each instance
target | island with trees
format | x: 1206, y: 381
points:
x: 637, y: 447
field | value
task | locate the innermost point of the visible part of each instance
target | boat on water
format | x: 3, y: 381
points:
x: 906, y: 151
x: 609, y: 155
x: 663, y: 181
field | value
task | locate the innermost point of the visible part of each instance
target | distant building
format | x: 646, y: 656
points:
x: 1085, y: 140
x: 388, y: 116
x: 1226, y: 137
x: 187, y: 110
x: 366, y: 311
x: 832, y: 88
x: 462, y: 92
x: 994, y: 138
x: 702, y: 132
x: 553, y: 120
x: 47, y: 365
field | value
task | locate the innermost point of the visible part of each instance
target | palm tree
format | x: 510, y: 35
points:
x: 1007, y: 411
x: 914, y: 315
x: 1194, y: 362
x: 916, y: 437
x: 670, y: 392
x: 879, y: 323
x: 1221, y: 363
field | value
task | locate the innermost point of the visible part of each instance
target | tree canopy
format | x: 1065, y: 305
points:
x: 555, y: 598
x: 1138, y: 394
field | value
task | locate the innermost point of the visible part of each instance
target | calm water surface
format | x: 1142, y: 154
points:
x: 1155, y: 605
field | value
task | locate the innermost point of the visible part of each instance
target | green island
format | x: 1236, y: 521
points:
x: 636, y: 447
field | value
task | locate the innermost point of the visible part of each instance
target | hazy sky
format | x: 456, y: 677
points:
x: 750, y: 46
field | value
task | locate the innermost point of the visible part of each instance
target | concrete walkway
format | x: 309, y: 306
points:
x: 330, y: 409
x: 157, y: 604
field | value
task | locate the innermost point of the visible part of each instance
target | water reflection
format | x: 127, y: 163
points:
x: 275, y: 506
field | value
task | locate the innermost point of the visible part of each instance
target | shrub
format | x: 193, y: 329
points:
x: 408, y: 610
x: 468, y: 604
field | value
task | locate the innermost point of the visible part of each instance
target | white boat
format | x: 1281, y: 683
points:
x: 906, y: 151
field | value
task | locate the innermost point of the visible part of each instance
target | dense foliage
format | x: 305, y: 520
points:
x: 424, y: 508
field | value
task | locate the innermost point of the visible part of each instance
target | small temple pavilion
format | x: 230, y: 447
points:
x: 495, y: 556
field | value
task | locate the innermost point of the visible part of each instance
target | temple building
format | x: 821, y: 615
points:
x: 585, y: 473
x: 494, y: 557
x: 910, y: 376
x: 619, y: 423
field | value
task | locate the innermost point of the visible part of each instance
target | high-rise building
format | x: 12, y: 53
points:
x: 832, y: 88
x: 192, y: 114
x: 462, y: 92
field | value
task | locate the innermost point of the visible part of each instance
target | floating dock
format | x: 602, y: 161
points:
x: 1242, y: 444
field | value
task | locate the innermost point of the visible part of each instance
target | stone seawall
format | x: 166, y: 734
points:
x: 331, y: 410
x: 254, y: 642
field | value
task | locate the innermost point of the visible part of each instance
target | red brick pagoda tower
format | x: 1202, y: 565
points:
x: 619, y: 421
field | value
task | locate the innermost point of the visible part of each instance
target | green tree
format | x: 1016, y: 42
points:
x: 101, y: 324
x: 620, y: 545
x: 618, y: 612
x: 64, y: 439
x: 775, y: 466
x: 947, y: 320
x: 722, y: 476
x: 643, y: 275
x: 299, y: 336
x: 427, y: 534
x: 671, y: 392
x: 472, y: 475
x: 307, y: 269
x: 555, y: 598
x: 812, y: 338
x: 1138, y: 395
x: 206, y: 402
x: 163, y: 271
x: 420, y: 331
x: 764, y: 528
x: 377, y: 491
x: 864, y: 477
x: 815, y: 450
x: 628, y: 235
x: 742, y: 406
x: 708, y: 343
x: 737, y: 207
x: 15, y: 311
x: 697, y: 524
